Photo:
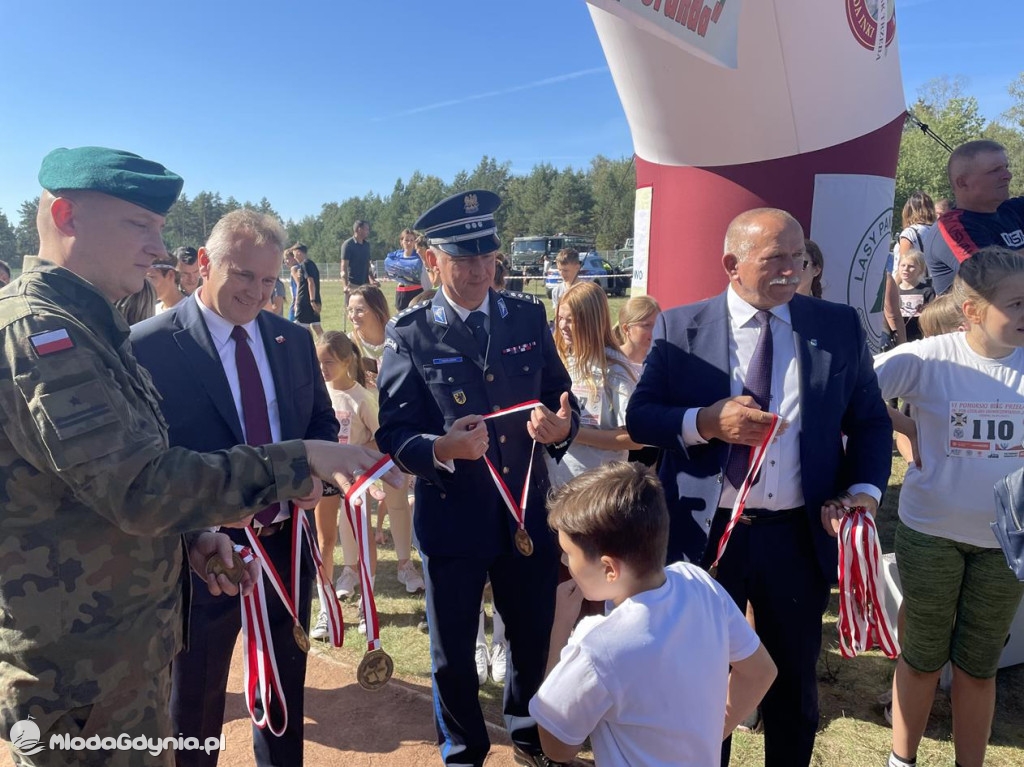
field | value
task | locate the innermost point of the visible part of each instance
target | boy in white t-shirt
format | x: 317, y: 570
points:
x: 649, y: 682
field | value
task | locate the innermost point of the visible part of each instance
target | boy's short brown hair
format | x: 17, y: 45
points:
x: 567, y: 256
x: 615, y: 510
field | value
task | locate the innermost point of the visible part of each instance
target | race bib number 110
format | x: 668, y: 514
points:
x: 986, y: 429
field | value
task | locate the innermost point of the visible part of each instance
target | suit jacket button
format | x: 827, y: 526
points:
x: 504, y: 469
x: 443, y: 496
x: 451, y: 380
x: 526, y: 368
x: 495, y: 409
x: 490, y: 377
x: 501, y: 439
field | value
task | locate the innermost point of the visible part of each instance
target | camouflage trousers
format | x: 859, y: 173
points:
x: 95, y: 735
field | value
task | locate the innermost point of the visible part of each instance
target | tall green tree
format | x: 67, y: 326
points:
x: 8, y: 242
x: 26, y: 234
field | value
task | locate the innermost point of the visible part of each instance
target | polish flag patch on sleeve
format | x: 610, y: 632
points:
x: 51, y: 341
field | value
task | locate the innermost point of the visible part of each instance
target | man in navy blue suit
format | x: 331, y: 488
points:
x: 716, y: 372
x: 467, y: 353
x: 210, y: 357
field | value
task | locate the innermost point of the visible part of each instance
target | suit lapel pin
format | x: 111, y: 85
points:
x: 280, y: 339
x: 439, y: 316
x: 813, y: 342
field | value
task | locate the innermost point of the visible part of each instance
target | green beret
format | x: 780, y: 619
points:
x: 120, y: 174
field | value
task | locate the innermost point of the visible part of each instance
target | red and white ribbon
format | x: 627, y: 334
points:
x: 757, y: 456
x: 517, y: 510
x: 359, y: 518
x: 260, y: 662
x: 863, y: 622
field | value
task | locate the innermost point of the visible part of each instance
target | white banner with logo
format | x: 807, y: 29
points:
x: 706, y: 28
x: 641, y: 240
x: 852, y: 223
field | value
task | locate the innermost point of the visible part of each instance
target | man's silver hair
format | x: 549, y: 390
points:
x: 738, y: 236
x: 259, y: 228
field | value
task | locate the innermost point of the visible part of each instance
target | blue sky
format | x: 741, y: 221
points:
x: 310, y: 102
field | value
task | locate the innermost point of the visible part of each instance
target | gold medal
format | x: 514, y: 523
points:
x: 300, y: 638
x: 524, y: 542
x: 215, y: 565
x: 375, y: 669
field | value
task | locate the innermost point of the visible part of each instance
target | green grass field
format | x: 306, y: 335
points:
x: 854, y: 732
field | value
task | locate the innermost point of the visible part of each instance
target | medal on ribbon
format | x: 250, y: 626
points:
x: 863, y: 622
x: 522, y: 539
x: 376, y: 667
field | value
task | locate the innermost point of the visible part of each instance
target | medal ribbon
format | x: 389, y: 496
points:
x: 355, y: 510
x: 260, y: 664
x: 863, y: 622
x: 328, y: 599
x: 518, y: 510
x: 757, y: 457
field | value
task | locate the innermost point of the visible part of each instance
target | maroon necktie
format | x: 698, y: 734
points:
x: 757, y: 384
x: 254, y: 405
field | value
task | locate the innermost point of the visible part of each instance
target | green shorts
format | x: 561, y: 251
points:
x: 959, y: 601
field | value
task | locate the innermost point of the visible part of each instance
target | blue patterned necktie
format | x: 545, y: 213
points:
x: 757, y: 384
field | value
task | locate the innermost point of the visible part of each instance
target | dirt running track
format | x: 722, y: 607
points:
x: 345, y: 725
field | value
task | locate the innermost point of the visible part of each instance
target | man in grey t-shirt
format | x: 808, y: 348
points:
x: 355, y: 258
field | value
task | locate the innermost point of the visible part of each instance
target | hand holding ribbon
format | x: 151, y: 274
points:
x: 551, y: 428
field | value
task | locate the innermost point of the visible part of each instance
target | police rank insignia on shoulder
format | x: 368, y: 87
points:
x: 51, y: 341
x: 439, y: 316
x: 522, y: 296
x: 459, y: 396
x: 520, y: 348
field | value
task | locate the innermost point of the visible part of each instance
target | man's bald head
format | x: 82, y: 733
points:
x: 744, y: 229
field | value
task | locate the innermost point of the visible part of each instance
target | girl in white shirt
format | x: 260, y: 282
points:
x: 960, y: 597
x: 602, y: 380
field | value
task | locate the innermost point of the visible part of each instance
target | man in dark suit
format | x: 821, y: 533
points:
x: 716, y: 372
x: 467, y: 353
x: 230, y: 373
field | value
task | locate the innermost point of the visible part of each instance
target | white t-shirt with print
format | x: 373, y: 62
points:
x: 602, y: 406
x: 356, y: 411
x: 969, y: 412
x: 648, y: 682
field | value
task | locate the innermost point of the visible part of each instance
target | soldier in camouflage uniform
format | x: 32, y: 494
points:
x: 97, y: 510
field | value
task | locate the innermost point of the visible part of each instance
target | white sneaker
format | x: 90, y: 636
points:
x: 320, y: 629
x: 362, y: 618
x: 409, y: 575
x: 499, y: 662
x: 481, y: 663
x: 345, y: 586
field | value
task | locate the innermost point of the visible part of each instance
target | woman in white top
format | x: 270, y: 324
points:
x: 368, y: 312
x: 960, y: 597
x: 602, y: 380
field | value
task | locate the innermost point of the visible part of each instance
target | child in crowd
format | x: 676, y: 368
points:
x: 603, y: 380
x: 649, y: 682
x: 568, y: 264
x: 634, y: 334
x: 967, y: 391
x: 369, y: 314
x: 356, y: 410
x: 915, y: 291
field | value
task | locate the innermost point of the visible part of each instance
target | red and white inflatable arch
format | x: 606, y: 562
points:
x: 795, y: 104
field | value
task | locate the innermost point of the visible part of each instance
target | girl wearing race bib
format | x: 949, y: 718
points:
x: 602, y: 380
x: 960, y: 597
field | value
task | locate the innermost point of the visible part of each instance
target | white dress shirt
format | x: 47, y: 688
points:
x: 220, y: 332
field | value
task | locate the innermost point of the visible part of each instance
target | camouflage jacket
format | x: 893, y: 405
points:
x: 93, y: 502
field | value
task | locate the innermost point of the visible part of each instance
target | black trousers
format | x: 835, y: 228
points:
x: 771, y: 563
x: 524, y: 594
x: 199, y: 675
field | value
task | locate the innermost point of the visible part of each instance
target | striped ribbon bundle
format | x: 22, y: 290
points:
x: 863, y: 622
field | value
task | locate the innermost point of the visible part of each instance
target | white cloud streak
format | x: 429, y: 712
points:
x: 555, y: 80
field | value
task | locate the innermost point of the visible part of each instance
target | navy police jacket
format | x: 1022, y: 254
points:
x: 432, y: 374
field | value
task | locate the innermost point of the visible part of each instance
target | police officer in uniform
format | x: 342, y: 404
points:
x: 96, y: 509
x: 447, y: 363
